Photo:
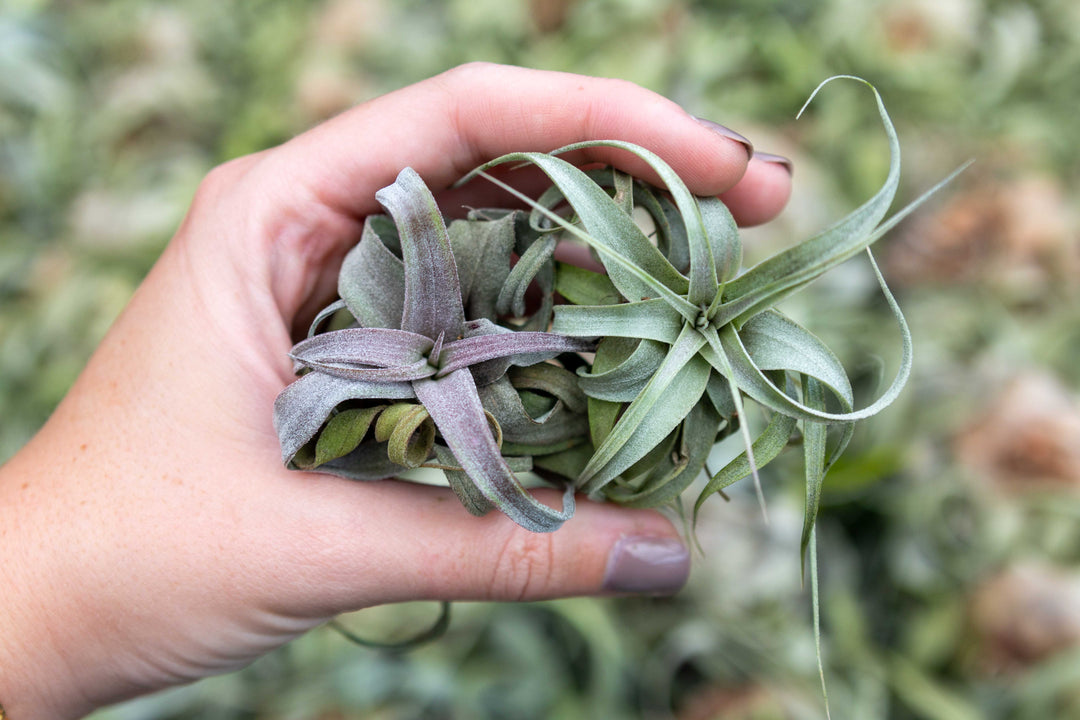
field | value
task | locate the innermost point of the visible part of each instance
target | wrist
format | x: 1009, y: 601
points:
x: 35, y: 681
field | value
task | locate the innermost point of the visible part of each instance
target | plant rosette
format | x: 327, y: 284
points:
x: 617, y: 383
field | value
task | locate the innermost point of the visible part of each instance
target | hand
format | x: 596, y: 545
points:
x: 150, y: 535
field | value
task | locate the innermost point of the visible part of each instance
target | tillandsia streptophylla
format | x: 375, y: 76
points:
x: 682, y: 338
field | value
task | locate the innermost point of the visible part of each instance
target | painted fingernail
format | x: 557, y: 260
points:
x: 728, y: 133
x: 649, y: 565
x: 777, y: 159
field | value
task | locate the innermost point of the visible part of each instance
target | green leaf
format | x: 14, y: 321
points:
x: 412, y: 438
x: 512, y: 295
x: 703, y: 282
x: 302, y: 407
x: 462, y: 485
x: 584, y: 287
x: 776, y: 342
x: 343, y: 432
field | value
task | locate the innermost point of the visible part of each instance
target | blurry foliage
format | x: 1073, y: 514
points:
x: 943, y: 573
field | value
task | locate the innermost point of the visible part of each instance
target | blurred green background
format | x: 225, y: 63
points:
x: 950, y: 532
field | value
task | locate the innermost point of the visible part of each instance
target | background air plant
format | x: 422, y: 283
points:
x: 680, y: 337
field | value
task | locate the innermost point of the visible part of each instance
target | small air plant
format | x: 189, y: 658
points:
x: 620, y: 389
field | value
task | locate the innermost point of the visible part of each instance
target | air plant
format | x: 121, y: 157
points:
x: 619, y: 383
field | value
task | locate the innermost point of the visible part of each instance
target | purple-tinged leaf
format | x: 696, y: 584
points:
x: 462, y: 485
x: 345, y: 371
x: 325, y: 314
x: 520, y: 348
x: 380, y: 347
x: 302, y: 407
x: 432, y: 292
x: 459, y: 416
x: 372, y: 280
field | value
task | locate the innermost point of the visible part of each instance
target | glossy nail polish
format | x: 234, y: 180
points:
x: 728, y: 133
x: 649, y: 565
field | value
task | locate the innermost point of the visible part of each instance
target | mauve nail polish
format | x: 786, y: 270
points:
x: 658, y: 566
x: 728, y: 133
x: 777, y: 159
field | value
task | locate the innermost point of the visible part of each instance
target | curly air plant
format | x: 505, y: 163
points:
x: 619, y: 383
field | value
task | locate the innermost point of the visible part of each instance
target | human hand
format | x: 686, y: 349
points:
x: 150, y: 535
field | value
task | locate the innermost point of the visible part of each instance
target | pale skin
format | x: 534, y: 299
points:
x: 150, y: 535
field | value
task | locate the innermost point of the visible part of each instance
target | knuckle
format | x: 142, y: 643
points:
x: 525, y: 567
x: 469, y: 70
x: 223, y: 179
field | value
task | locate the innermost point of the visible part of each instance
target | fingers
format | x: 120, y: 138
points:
x: 415, y: 542
x: 447, y: 125
x: 763, y: 191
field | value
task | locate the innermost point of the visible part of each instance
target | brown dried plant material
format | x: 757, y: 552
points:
x: 1021, y: 235
x: 550, y: 15
x: 1028, y: 438
x: 1025, y: 614
x: 732, y: 703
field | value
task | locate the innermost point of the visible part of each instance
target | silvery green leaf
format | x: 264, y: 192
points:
x: 776, y: 342
x: 814, y: 439
x: 648, y: 319
x: 748, y: 376
x: 771, y: 280
x: 566, y: 463
x: 608, y: 226
x: 646, y: 421
x: 371, y: 282
x: 631, y: 279
x: 454, y: 406
x: 432, y: 293
x: 766, y: 447
x: 553, y: 380
x: 696, y: 442
x: 302, y: 407
x: 719, y: 393
x: 325, y: 314
x: 512, y: 296
x: 703, y: 281
x: 482, y: 250
x: 626, y: 380
x: 723, y: 234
